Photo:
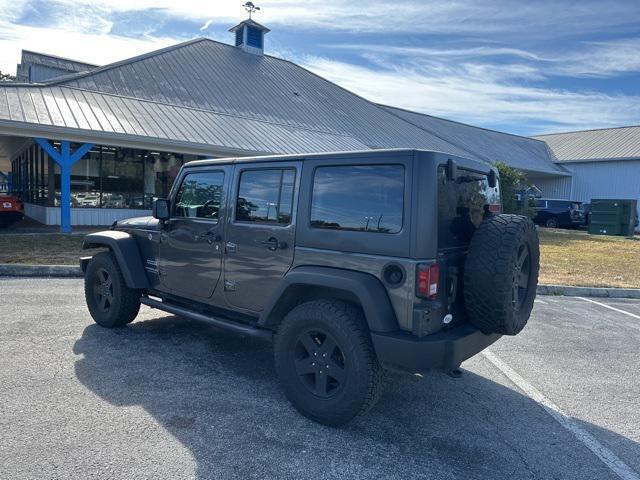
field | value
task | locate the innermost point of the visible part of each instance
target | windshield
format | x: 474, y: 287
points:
x: 462, y: 205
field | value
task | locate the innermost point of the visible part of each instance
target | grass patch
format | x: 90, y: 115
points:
x: 567, y: 257
x: 576, y: 258
x: 42, y: 249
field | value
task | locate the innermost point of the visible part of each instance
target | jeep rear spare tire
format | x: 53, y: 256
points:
x: 501, y: 274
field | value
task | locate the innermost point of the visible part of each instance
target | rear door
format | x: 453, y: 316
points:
x: 191, y: 240
x: 260, y: 235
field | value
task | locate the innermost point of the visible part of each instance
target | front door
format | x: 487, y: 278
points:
x: 191, y: 240
x: 261, y: 232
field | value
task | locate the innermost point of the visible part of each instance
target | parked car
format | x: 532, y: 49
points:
x: 349, y: 262
x: 11, y: 210
x: 114, y: 200
x: 555, y: 213
x: 90, y: 200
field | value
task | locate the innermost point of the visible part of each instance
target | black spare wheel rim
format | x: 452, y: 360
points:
x: 521, y: 273
x: 103, y: 290
x: 319, y: 363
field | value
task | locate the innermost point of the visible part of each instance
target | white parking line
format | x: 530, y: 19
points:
x: 607, y: 457
x: 610, y: 307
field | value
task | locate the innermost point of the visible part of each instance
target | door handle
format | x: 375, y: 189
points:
x: 212, y: 237
x: 273, y: 244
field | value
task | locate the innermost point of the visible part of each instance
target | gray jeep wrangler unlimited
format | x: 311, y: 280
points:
x: 349, y: 262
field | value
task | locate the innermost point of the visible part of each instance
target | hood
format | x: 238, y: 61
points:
x: 147, y: 223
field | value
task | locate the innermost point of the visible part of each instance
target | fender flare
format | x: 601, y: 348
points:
x: 127, y: 254
x: 368, y: 290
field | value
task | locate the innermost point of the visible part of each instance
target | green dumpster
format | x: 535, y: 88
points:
x: 612, y: 217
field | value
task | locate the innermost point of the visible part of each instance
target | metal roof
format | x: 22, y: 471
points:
x: 54, y: 65
x: 214, y: 97
x: 622, y: 143
x: 489, y: 145
x: 218, y: 77
x: 55, y: 61
x: 112, y: 117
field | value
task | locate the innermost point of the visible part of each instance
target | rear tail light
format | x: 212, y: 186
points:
x: 495, y: 208
x: 428, y: 281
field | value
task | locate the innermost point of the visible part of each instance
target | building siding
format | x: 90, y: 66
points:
x: 553, y: 187
x: 609, y: 179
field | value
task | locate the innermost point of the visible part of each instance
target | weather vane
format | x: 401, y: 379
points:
x: 251, y: 8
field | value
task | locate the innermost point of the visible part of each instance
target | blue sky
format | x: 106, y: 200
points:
x: 522, y: 67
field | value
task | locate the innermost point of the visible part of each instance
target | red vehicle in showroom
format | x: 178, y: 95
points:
x: 11, y: 210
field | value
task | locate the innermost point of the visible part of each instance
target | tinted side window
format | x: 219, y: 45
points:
x: 266, y: 196
x: 367, y: 198
x: 200, y: 195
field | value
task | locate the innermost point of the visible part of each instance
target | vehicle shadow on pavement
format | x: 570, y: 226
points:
x: 217, y: 393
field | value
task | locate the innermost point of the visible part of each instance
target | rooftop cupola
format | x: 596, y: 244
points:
x: 249, y: 33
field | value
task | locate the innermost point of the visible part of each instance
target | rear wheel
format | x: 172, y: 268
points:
x: 552, y: 223
x: 110, y: 302
x: 326, y: 362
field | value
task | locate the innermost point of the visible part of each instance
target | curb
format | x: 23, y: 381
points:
x: 72, y: 271
x: 51, y: 271
x: 570, y: 291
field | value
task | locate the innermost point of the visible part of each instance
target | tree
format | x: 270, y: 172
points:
x: 5, y: 77
x: 513, y: 185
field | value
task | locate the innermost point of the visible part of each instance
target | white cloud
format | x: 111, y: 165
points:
x: 206, y: 25
x: 525, y: 19
x: 480, y: 97
x: 602, y: 59
x: 97, y: 48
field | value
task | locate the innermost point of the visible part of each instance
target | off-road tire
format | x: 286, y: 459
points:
x: 362, y: 374
x: 125, y: 303
x: 493, y: 266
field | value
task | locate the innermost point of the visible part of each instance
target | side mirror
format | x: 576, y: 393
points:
x: 452, y: 170
x: 492, y: 179
x: 160, y: 209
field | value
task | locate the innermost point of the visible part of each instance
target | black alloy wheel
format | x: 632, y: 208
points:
x: 326, y: 362
x: 111, y: 303
x: 103, y: 290
x: 319, y: 363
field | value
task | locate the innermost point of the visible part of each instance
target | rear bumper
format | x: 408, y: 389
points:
x: 439, y: 351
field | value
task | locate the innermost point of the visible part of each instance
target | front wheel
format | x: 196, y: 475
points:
x: 111, y: 303
x: 326, y: 362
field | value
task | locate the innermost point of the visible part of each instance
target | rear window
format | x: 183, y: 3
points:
x: 462, y: 205
x: 363, y: 198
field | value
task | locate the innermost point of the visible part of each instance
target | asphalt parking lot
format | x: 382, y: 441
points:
x: 169, y: 398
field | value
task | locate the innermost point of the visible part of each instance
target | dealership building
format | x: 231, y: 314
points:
x: 85, y: 145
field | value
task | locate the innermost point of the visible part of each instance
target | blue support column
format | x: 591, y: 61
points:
x: 65, y: 159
